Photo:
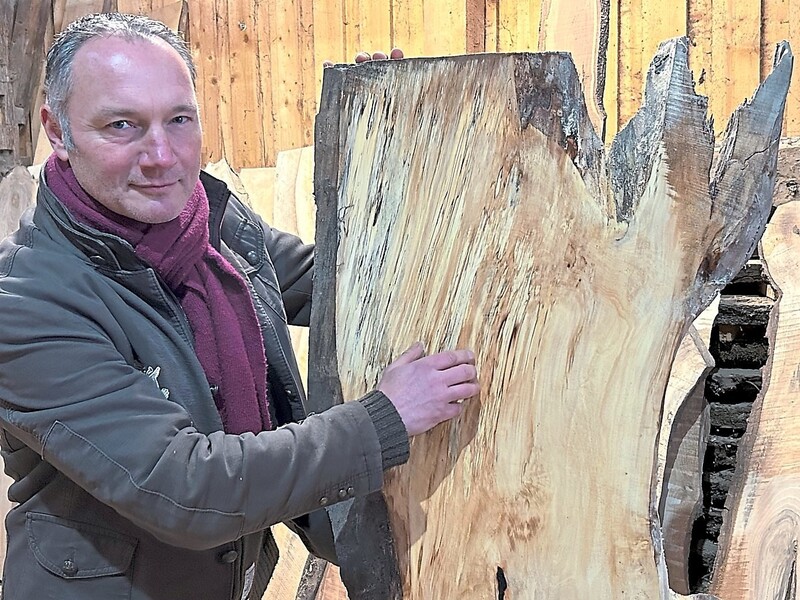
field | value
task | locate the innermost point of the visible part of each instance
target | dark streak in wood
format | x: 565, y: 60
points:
x: 602, y: 62
x: 311, y: 578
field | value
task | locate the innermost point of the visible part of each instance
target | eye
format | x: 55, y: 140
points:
x: 120, y: 125
x: 181, y: 119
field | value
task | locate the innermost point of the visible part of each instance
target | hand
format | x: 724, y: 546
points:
x: 361, y: 57
x: 427, y: 390
x: 395, y: 54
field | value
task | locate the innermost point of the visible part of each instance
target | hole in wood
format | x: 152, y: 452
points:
x: 502, y: 584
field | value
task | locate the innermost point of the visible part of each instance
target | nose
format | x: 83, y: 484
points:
x: 157, y: 150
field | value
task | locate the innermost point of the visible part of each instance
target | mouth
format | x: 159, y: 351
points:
x: 153, y: 187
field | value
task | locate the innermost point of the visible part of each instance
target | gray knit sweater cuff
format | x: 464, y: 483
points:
x: 392, y: 433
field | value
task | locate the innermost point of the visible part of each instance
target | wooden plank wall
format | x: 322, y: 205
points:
x: 268, y: 88
x: 260, y: 63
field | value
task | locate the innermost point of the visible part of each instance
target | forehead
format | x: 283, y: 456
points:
x: 131, y: 70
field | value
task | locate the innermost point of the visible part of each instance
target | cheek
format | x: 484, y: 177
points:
x: 109, y: 167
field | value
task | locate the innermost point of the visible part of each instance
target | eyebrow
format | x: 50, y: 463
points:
x: 112, y: 113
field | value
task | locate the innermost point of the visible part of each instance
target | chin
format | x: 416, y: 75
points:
x: 152, y: 211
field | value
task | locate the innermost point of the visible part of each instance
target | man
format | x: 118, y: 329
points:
x: 151, y: 405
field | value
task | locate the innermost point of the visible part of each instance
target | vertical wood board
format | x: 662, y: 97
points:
x: 423, y: 248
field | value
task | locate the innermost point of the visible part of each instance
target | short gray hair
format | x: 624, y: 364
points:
x: 58, y: 69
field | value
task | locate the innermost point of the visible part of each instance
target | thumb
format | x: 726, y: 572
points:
x: 412, y: 353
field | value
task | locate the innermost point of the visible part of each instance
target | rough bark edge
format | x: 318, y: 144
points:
x: 360, y: 528
x: 324, y: 386
x: 550, y: 99
x: 750, y: 120
x: 635, y: 147
x: 602, y: 63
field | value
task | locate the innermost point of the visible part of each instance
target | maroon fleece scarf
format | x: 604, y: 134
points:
x: 213, y: 295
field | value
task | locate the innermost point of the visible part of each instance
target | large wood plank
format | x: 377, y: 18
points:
x: 574, y: 289
x: 735, y: 55
x: 423, y: 28
x: 757, y: 555
x: 643, y: 24
x: 700, y: 32
x: 518, y: 25
x: 367, y: 26
x: 779, y: 22
x: 210, y: 44
x: 329, y: 40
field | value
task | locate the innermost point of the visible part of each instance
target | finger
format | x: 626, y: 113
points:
x: 464, y: 391
x: 412, y: 353
x: 379, y: 56
x: 362, y: 57
x: 462, y: 373
x: 450, y: 358
x: 396, y: 53
x: 327, y: 63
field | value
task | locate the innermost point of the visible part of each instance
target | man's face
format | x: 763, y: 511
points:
x: 134, y: 120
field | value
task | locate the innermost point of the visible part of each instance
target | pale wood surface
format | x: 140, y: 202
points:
x: 643, y: 25
x: 574, y: 301
x: 286, y: 578
x: 17, y: 194
x: 758, y: 544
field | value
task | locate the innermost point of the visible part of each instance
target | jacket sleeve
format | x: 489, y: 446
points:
x: 69, y: 394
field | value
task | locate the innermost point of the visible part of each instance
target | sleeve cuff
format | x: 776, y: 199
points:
x: 391, y: 431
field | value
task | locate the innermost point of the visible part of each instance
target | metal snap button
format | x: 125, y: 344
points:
x: 252, y: 257
x: 229, y: 557
x: 69, y: 568
x: 323, y: 501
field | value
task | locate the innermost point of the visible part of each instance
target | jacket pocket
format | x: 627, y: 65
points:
x: 78, y: 560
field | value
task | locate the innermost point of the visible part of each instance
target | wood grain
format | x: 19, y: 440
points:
x: 518, y: 25
x: 574, y: 289
x: 779, y: 22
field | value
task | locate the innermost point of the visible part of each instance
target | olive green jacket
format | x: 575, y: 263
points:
x: 127, y: 487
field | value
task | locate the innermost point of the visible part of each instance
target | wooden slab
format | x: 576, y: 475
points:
x: 757, y: 556
x: 467, y: 201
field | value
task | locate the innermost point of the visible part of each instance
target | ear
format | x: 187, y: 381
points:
x: 54, y: 133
